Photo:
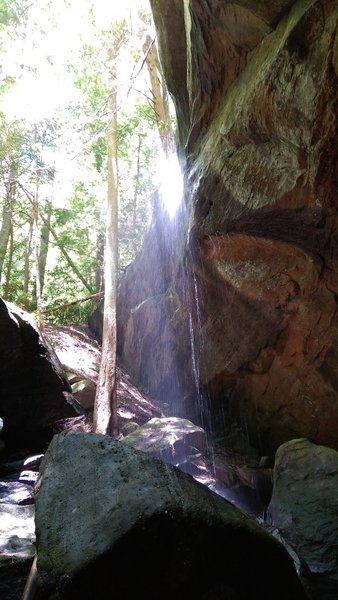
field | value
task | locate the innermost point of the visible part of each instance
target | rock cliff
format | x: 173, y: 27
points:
x: 238, y: 300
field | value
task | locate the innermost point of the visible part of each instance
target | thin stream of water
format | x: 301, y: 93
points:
x: 171, y: 227
x: 202, y: 398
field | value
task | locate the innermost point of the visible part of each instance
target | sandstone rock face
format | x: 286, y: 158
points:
x: 304, y: 509
x: 34, y: 393
x: 255, y: 90
x: 112, y: 521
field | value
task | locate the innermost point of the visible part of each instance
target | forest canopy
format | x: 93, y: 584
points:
x: 54, y: 111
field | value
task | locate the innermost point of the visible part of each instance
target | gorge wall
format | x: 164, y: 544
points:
x: 250, y: 264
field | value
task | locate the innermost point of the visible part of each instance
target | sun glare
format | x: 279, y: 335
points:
x: 171, y: 184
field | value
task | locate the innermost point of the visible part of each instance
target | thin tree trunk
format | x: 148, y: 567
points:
x: 38, y: 289
x: 4, y: 233
x: 62, y: 249
x: 67, y: 257
x: 160, y: 97
x: 105, y: 406
x: 80, y: 300
x: 6, y: 224
x: 35, y: 215
x: 9, y: 261
x: 99, y: 275
x: 44, y: 243
x: 26, y: 271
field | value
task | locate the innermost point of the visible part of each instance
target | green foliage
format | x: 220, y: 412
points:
x: 76, y: 313
x: 11, y: 138
x: 8, y: 14
x: 99, y: 150
x: 74, y: 137
x: 137, y: 149
x: 77, y: 230
x: 6, y: 84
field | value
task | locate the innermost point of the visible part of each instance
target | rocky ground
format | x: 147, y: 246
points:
x: 149, y: 425
x: 245, y: 481
x: 144, y: 424
x: 79, y: 354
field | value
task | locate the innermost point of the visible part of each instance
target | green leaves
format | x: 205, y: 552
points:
x: 61, y: 155
x: 8, y: 14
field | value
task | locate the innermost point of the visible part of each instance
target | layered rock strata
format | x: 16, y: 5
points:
x: 252, y: 282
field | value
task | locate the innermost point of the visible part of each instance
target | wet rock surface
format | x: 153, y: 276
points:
x: 121, y: 512
x: 243, y: 481
x: 169, y: 438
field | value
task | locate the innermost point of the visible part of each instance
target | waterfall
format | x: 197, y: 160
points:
x: 163, y: 338
x: 171, y: 230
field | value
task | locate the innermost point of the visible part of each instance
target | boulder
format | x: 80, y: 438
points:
x: 34, y: 392
x: 112, y: 521
x: 304, y: 509
x: 170, y: 438
x: 176, y: 441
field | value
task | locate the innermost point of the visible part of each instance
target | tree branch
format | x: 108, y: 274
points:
x: 62, y: 306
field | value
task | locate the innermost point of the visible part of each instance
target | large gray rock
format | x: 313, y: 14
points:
x: 170, y: 438
x: 34, y: 392
x: 113, y: 522
x: 304, y: 509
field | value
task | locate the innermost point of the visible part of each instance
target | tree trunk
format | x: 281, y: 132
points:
x: 105, y: 407
x: 26, y: 270
x: 61, y: 248
x: 38, y: 289
x: 100, y: 243
x: 44, y: 243
x: 4, y: 233
x: 160, y: 97
x: 6, y: 224
x: 51, y: 309
x: 66, y: 255
x: 9, y: 261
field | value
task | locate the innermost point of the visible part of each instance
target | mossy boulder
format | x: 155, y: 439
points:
x: 112, y: 521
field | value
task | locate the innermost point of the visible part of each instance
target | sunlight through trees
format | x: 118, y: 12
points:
x: 54, y: 113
